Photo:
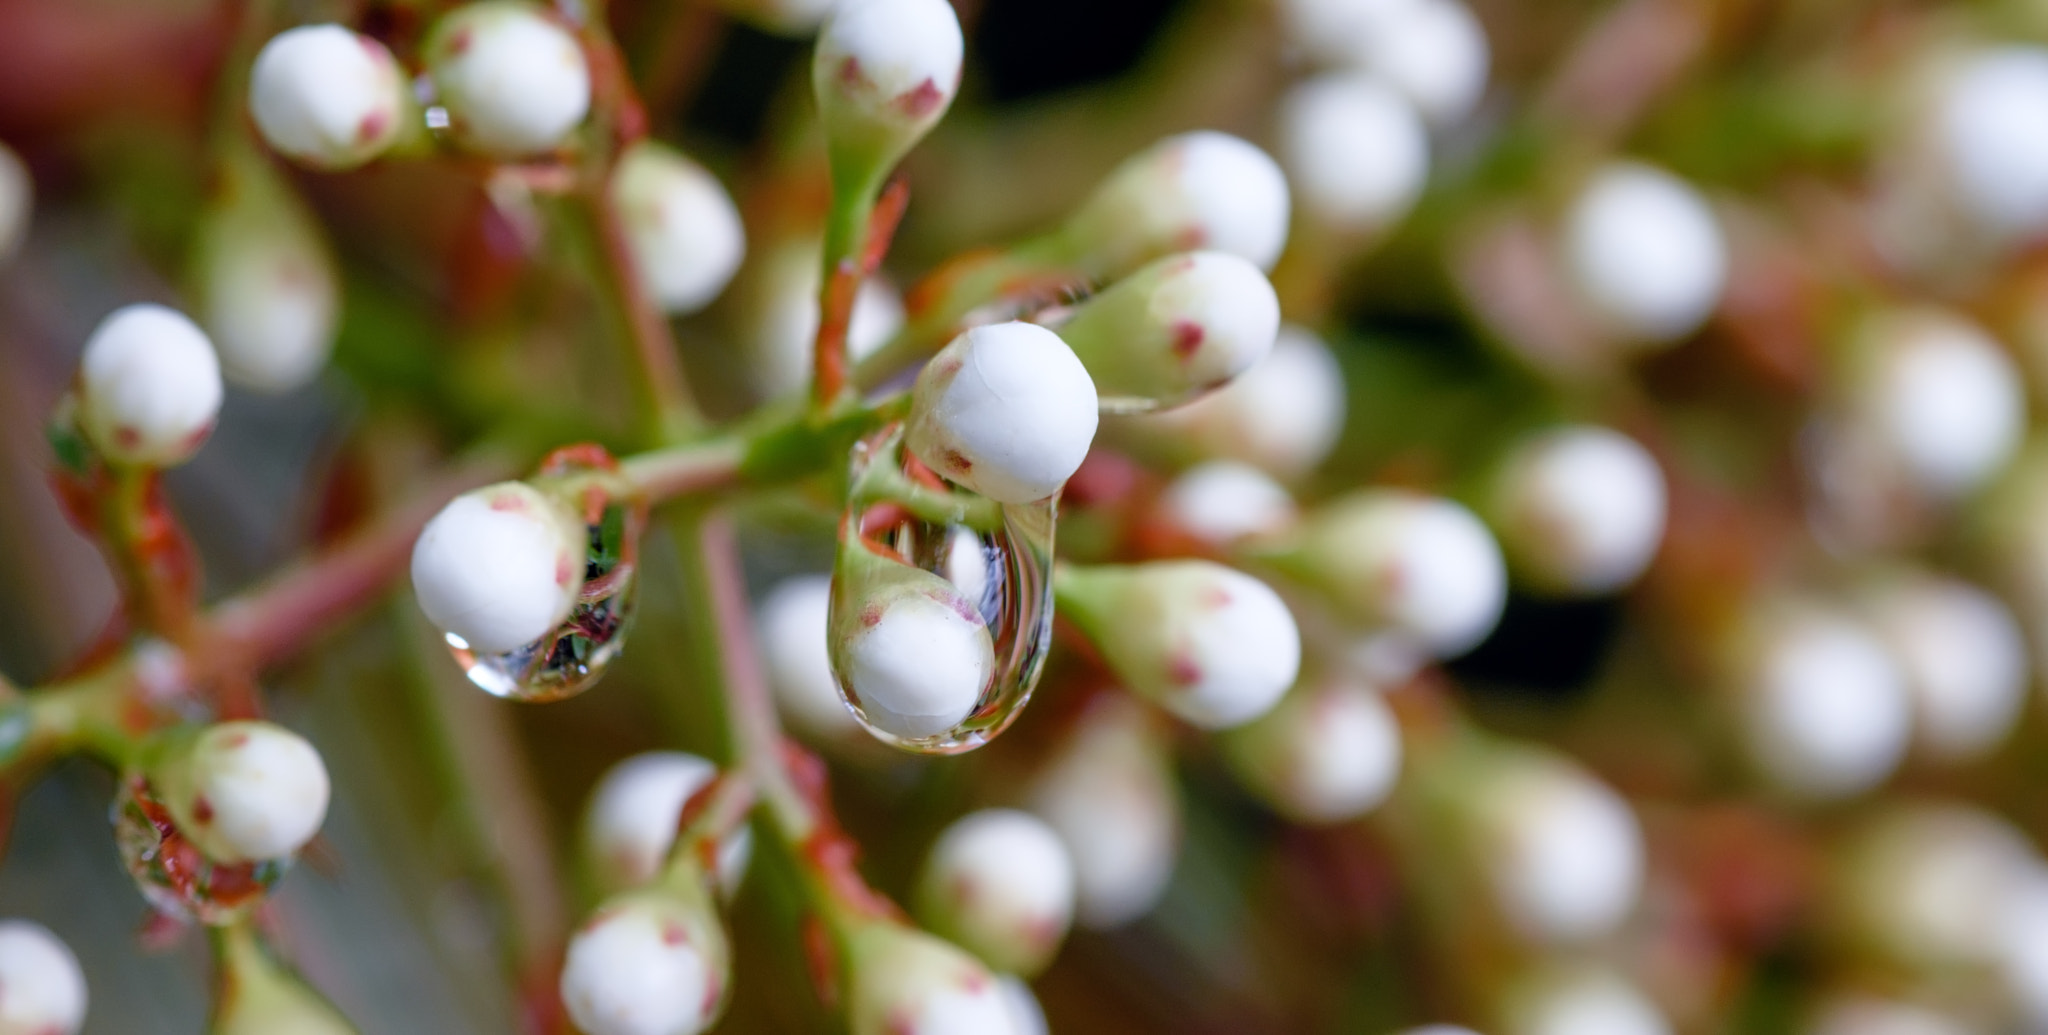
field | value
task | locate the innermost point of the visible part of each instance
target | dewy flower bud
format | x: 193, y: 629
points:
x: 1224, y: 501
x: 1355, y: 151
x: 1645, y: 252
x: 42, y: 989
x: 1991, y: 133
x: 1005, y: 410
x: 1212, y: 645
x: 1582, y: 1002
x: 884, y: 73
x: 1563, y: 852
x: 1943, y: 400
x: 1197, y: 190
x: 1580, y: 509
x: 685, y: 231
x: 499, y: 566
x: 1824, y: 705
x: 17, y: 201
x: 1964, y: 658
x: 514, y: 80
x: 271, y: 294
x: 652, y: 962
x: 906, y: 982
x: 1180, y: 327
x: 1112, y: 796
x: 149, y: 386
x: 635, y: 814
x: 327, y: 97
x: 1928, y: 885
x: 911, y: 649
x: 999, y: 884
x: 1330, y: 752
x: 243, y: 791
x: 1284, y: 414
x: 779, y: 317
x: 794, y: 620
x: 1420, y: 567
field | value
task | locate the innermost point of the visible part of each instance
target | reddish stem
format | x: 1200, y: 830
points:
x: 831, y: 371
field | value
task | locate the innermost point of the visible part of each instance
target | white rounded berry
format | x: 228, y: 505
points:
x: 1026, y: 1016
x: 1212, y: 645
x: 1826, y: 709
x: 1356, y: 152
x: 685, y: 231
x: 636, y: 811
x: 246, y: 791
x: 1006, y: 410
x: 1929, y: 885
x: 499, y: 567
x: 1587, y: 1002
x: 2023, y: 950
x: 1861, y: 1015
x: 1284, y: 414
x: 1964, y: 658
x: 149, y: 386
x: 1197, y: 190
x: 1224, y: 501
x: 641, y: 967
x: 1421, y: 567
x: 906, y: 982
x: 1581, y: 509
x: 1645, y: 252
x: 514, y: 80
x: 1564, y: 852
x: 1111, y: 795
x: 327, y: 97
x: 1435, y: 52
x: 1992, y: 132
x: 884, y: 72
x: 42, y: 988
x: 1330, y: 752
x: 17, y: 201
x: 795, y: 624
x: 999, y: 884
x: 1946, y: 401
x: 271, y: 295
x: 780, y: 318
x: 1182, y: 326
x: 916, y: 658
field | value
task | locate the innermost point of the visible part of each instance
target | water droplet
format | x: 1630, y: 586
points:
x: 175, y: 877
x: 995, y: 561
x: 571, y: 658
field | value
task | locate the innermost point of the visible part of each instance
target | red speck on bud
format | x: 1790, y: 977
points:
x: 871, y: 615
x: 458, y: 44
x: 578, y: 455
x: 202, y: 810
x: 850, y: 74
x: 1183, y: 671
x: 1187, y: 339
x: 126, y: 436
x: 1216, y: 597
x: 974, y: 981
x: 673, y: 934
x: 955, y: 461
x: 373, y: 126
x: 235, y: 740
x: 921, y: 101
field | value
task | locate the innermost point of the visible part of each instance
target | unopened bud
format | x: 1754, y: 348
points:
x: 906, y: 982
x: 651, y: 962
x: 1355, y: 151
x: 499, y: 566
x: 1006, y: 410
x: 149, y: 386
x: 1180, y: 327
x: 1580, y: 510
x: 1198, y: 190
x: 1112, y: 797
x: 242, y: 791
x: 17, y: 201
x: 1862, y: 1015
x: 1991, y: 124
x: 1929, y: 885
x: 1823, y: 704
x: 1224, y: 501
x: 884, y: 72
x: 1964, y: 659
x: 685, y: 232
x: 42, y: 988
x: 1284, y: 414
x: 1645, y: 253
x: 1329, y: 752
x: 795, y: 627
x: 513, y: 79
x: 1026, y: 1016
x: 911, y: 651
x: 999, y: 884
x: 1944, y: 404
x: 1582, y: 1002
x: 2023, y: 951
x: 327, y: 97
x: 1563, y: 852
x: 635, y: 814
x: 1434, y: 52
x: 271, y: 294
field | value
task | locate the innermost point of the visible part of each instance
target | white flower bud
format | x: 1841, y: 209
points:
x: 1929, y: 885
x: 1563, y: 852
x: 271, y: 295
x: 2023, y: 951
x: 1197, y: 190
x: 1224, y: 501
x: 1212, y: 645
x: 1964, y: 658
x: 1355, y: 151
x: 1112, y: 797
x: 244, y: 791
x: 17, y: 201
x: 1865, y: 1016
x: 783, y: 17
x: 779, y: 317
x: 1421, y: 567
x: 1646, y: 253
x: 635, y: 814
x: 646, y: 964
x: 1005, y: 410
x: 1026, y: 1016
x: 795, y: 625
x: 326, y: 97
x: 1284, y: 414
x: 906, y: 982
x: 1992, y: 136
x: 514, y: 80
x: 500, y: 566
x: 1436, y: 52
x: 685, y: 231
x: 1944, y: 401
x: 915, y: 654
x: 1580, y: 509
x: 42, y: 989
x: 999, y: 884
x: 1182, y: 326
x: 149, y: 386
x: 884, y: 73
x: 1330, y: 752
x: 1825, y: 707
x: 1583, y: 1003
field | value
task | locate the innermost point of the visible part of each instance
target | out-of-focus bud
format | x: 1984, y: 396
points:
x: 242, y: 791
x: 1645, y: 252
x: 906, y: 982
x: 1823, y: 705
x: 499, y: 566
x: 326, y: 97
x: 652, y: 962
x: 1212, y: 645
x: 884, y: 73
x: 148, y: 386
x: 685, y: 231
x: 1111, y: 795
x: 1580, y: 510
x: 1283, y: 415
x: 1434, y: 52
x: 1197, y: 190
x: 513, y: 79
x: 999, y: 884
x: 783, y: 17
x: 1180, y: 327
x: 270, y: 293
x: 1581, y: 1002
x: 1006, y: 410
x: 1329, y: 752
x: 911, y: 651
x: 1026, y: 1016
x: 44, y: 987
x: 1418, y: 567
x: 1224, y: 501
x: 2023, y: 948
x: 1929, y: 885
x: 17, y: 201
x: 778, y: 318
x: 1355, y: 151
x: 637, y: 809
x: 794, y: 620
x: 261, y: 995
x: 1861, y: 1015
x: 1964, y: 659
x: 1562, y: 851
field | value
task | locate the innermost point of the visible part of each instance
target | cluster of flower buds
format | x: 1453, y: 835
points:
x: 42, y: 988
x: 149, y: 387
x: 1356, y: 151
x: 1111, y: 797
x: 1563, y: 853
x: 241, y: 791
x: 903, y: 981
x: 999, y: 884
x: 1433, y: 51
x: 649, y: 962
x: 1823, y: 705
x: 1226, y: 501
x: 1199, y: 190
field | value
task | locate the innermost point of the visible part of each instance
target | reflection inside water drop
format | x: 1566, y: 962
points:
x: 176, y: 877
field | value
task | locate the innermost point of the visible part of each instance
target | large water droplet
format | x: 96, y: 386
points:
x: 995, y: 561
x: 571, y: 658
x: 176, y: 877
